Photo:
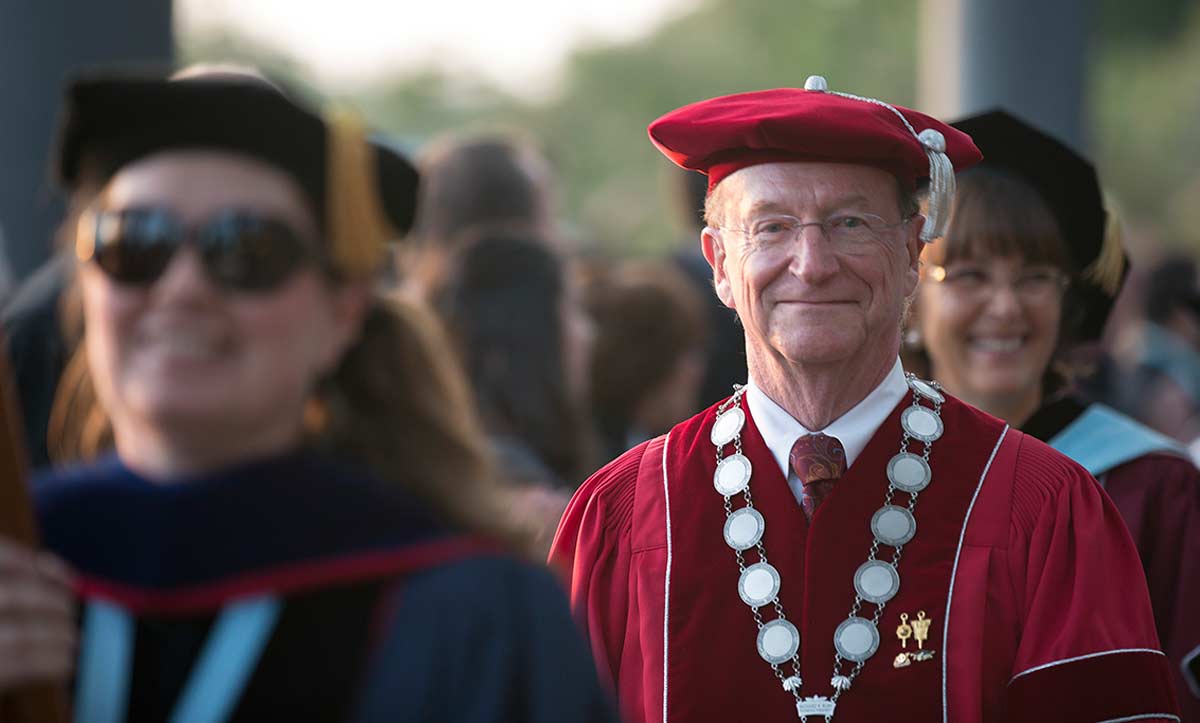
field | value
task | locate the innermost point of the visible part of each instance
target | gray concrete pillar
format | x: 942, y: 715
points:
x: 41, y: 43
x: 1029, y: 56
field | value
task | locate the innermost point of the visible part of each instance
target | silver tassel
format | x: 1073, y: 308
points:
x: 941, y: 184
x: 941, y: 170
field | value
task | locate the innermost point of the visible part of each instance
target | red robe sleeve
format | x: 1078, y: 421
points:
x: 1159, y: 497
x: 1087, y: 649
x: 591, y: 550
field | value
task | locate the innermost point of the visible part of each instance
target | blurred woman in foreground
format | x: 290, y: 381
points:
x: 1028, y: 269
x: 293, y: 523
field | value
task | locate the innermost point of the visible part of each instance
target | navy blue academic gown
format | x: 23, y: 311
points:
x: 387, y: 614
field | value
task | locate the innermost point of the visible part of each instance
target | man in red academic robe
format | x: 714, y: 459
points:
x: 837, y: 541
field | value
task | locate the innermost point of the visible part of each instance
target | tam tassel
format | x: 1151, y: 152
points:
x: 941, y: 169
x: 356, y: 219
x: 941, y: 184
x: 1108, y: 270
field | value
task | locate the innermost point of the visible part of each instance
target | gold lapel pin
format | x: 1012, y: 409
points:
x: 919, y: 629
x: 903, y: 660
x: 904, y: 631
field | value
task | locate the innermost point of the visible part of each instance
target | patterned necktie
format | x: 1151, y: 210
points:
x: 818, y: 461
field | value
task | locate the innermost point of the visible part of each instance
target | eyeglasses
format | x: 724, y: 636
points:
x: 846, y: 231
x: 976, y: 282
x: 240, y: 250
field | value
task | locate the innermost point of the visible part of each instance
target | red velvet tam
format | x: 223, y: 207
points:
x: 722, y: 135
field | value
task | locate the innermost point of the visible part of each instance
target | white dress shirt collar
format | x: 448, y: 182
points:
x: 853, y: 429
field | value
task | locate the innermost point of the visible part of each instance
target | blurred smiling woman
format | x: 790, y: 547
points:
x: 991, y: 301
x: 295, y: 523
x: 1030, y: 265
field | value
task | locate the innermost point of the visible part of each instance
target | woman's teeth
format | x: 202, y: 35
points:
x: 998, y: 344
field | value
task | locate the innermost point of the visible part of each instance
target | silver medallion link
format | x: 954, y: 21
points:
x: 759, y: 624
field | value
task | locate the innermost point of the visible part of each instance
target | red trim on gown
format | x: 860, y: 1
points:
x: 1046, y: 572
x: 283, y: 580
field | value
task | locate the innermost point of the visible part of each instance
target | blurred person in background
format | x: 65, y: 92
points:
x: 649, y: 357
x: 1158, y: 359
x: 1172, y: 305
x: 470, y: 182
x: 725, y: 346
x: 1028, y: 269
x: 297, y: 521
x: 516, y: 319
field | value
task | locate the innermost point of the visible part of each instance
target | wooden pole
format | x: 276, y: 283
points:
x: 38, y: 702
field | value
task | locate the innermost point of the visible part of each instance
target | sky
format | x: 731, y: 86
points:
x: 518, y: 44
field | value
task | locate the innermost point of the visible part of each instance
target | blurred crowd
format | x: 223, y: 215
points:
x: 525, y: 363
x: 576, y: 357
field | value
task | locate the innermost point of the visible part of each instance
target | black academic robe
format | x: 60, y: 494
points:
x: 387, y: 615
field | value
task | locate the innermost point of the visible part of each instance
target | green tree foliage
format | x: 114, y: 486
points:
x: 1143, y: 95
x: 594, y: 128
x: 1145, y: 107
x: 597, y: 126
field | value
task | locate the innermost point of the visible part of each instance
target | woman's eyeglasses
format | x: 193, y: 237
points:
x: 240, y: 250
x: 1033, y: 283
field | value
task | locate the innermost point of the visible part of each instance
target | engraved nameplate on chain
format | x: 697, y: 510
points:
x: 815, y: 705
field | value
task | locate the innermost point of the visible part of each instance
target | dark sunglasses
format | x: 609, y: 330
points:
x: 241, y: 250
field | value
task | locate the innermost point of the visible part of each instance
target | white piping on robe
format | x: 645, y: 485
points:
x: 667, y: 577
x: 954, y: 571
x: 1064, y: 661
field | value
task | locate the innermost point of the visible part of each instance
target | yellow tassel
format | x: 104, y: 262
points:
x: 1106, y: 270
x: 357, y: 224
